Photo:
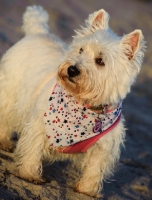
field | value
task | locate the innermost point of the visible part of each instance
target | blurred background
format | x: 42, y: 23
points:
x: 65, y: 16
x: 133, y: 179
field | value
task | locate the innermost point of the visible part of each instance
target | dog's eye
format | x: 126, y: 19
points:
x: 80, y: 51
x: 99, y: 61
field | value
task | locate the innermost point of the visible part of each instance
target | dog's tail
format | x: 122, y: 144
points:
x: 35, y: 21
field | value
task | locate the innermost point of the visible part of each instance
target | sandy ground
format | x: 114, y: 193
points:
x: 133, y: 177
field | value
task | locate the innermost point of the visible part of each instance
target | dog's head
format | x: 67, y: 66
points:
x: 100, y: 67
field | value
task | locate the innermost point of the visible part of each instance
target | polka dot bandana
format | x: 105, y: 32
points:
x: 67, y: 122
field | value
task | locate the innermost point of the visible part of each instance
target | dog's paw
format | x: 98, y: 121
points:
x: 28, y: 177
x: 80, y: 188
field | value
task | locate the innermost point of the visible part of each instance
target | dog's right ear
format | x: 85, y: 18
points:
x: 96, y: 21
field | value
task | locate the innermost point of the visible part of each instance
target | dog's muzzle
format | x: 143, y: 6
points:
x: 73, y: 71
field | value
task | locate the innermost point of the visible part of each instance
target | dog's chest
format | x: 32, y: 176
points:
x: 67, y: 122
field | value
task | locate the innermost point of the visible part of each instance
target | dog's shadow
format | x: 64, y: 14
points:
x: 62, y: 172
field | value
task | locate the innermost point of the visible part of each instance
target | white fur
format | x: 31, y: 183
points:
x: 28, y: 72
x: 35, y: 21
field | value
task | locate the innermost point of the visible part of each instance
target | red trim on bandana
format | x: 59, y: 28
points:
x: 83, y: 146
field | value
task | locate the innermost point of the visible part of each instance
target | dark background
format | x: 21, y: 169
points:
x: 133, y: 177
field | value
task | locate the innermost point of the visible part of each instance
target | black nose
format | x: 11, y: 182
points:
x: 73, y: 71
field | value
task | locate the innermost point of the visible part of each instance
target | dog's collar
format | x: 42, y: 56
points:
x: 98, y: 108
x: 69, y: 124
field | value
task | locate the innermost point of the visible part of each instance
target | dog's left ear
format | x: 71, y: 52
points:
x: 131, y: 43
x: 98, y: 20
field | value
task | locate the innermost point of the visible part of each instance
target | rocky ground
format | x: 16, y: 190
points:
x: 133, y: 178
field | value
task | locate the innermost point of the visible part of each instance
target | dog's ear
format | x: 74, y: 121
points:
x: 98, y: 20
x: 131, y: 43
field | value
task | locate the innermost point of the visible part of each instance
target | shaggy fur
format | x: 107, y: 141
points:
x: 107, y: 65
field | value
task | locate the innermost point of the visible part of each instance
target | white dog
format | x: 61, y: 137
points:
x: 66, y: 101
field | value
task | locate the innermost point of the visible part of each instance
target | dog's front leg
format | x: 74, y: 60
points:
x: 98, y: 165
x: 31, y: 149
x: 91, y: 172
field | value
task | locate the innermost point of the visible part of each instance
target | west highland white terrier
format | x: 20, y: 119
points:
x: 66, y: 101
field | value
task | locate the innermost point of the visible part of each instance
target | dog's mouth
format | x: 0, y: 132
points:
x: 71, y: 80
x: 67, y: 79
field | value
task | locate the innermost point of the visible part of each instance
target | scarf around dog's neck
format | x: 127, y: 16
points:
x: 71, y: 127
